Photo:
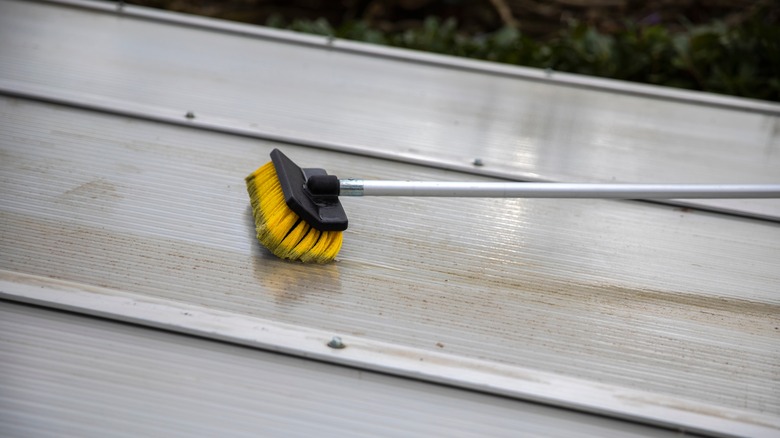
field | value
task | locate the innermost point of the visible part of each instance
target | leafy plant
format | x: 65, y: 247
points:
x: 741, y: 60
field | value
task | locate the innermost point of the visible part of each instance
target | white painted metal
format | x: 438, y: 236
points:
x: 389, y: 103
x: 526, y: 384
x: 532, y: 74
x: 68, y: 375
x: 640, y: 311
x: 634, y: 310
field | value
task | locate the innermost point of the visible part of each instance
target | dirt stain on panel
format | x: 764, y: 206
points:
x: 95, y: 189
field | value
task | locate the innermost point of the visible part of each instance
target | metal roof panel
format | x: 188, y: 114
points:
x: 391, y: 102
x: 113, y: 205
x: 70, y: 375
x: 677, y: 304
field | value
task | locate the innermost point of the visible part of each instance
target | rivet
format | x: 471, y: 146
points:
x: 190, y: 115
x: 478, y: 162
x: 336, y: 343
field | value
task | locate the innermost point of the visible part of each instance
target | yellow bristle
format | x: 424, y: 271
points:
x: 326, y: 248
x: 281, y: 230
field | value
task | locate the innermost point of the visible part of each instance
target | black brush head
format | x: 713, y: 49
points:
x: 322, y: 210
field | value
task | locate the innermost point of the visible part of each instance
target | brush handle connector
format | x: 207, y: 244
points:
x: 321, y: 185
x: 357, y: 187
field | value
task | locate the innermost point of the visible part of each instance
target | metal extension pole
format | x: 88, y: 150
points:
x: 357, y: 187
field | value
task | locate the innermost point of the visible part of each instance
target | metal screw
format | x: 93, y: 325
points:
x: 190, y: 115
x: 336, y: 343
x: 478, y: 162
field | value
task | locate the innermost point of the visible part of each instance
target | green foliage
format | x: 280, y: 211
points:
x: 742, y: 60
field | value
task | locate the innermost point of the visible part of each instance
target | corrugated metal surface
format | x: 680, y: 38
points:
x: 67, y: 375
x: 650, y: 298
x: 411, y: 110
x: 637, y: 310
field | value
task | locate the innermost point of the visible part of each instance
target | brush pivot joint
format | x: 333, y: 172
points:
x: 322, y: 186
x: 317, y: 204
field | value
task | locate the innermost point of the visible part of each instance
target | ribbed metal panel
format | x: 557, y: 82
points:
x: 649, y: 312
x: 681, y: 304
x: 413, y: 107
x: 66, y: 375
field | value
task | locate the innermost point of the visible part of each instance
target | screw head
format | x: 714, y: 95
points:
x: 190, y: 115
x: 336, y: 343
x: 478, y: 162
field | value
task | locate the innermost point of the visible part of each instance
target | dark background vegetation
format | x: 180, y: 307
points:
x: 721, y: 46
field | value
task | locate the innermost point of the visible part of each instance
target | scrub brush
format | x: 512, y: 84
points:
x: 298, y: 215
